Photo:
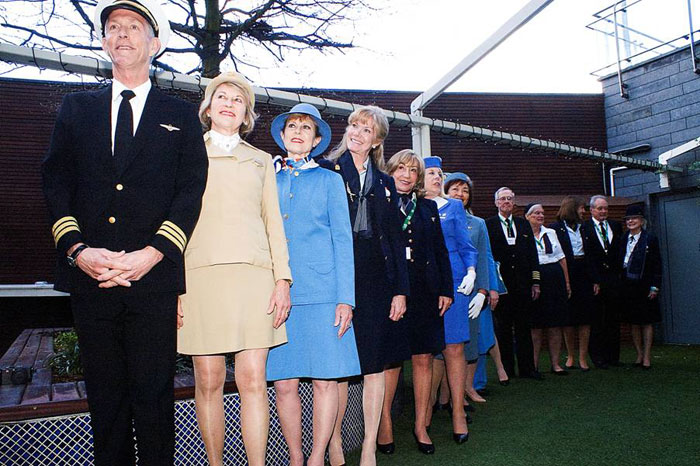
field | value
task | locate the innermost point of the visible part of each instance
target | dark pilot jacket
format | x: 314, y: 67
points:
x: 384, y: 213
x: 519, y: 263
x: 155, y: 200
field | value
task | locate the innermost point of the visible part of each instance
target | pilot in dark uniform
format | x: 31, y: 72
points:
x: 123, y: 181
x: 513, y: 247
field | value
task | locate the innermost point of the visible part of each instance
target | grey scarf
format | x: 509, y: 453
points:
x: 363, y: 227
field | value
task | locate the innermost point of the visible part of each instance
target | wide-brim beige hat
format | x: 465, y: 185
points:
x: 234, y: 78
x: 150, y: 10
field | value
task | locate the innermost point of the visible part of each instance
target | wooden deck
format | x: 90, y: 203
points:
x: 43, y: 398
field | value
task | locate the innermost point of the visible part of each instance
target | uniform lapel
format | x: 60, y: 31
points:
x: 102, y: 120
x: 148, y: 126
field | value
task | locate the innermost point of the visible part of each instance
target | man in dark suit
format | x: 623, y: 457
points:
x: 513, y: 247
x: 123, y: 181
x: 601, y: 244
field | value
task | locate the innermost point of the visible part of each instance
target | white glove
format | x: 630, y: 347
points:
x: 475, y: 305
x: 467, y: 284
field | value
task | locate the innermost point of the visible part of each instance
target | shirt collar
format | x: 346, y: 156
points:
x: 141, y: 90
x: 598, y: 223
x: 505, y: 218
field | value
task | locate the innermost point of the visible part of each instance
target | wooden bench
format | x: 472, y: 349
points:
x: 43, y: 398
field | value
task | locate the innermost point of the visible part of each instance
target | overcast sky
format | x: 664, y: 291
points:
x: 410, y: 44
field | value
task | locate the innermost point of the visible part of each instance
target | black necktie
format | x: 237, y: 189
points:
x: 509, y: 228
x: 125, y: 129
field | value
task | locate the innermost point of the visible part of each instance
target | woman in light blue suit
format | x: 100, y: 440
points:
x: 459, y: 186
x: 317, y: 225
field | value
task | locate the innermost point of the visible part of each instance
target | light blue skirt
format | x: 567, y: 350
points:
x: 313, y: 349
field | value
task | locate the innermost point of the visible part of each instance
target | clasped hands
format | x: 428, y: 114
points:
x: 113, y: 268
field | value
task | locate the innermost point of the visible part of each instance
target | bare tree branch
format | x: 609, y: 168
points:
x: 214, y: 30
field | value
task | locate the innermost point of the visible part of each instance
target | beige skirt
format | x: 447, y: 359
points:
x: 225, y: 310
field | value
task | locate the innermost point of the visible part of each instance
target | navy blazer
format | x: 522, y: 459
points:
x: 605, y: 265
x: 155, y: 200
x: 425, y: 230
x: 519, y: 263
x: 645, y: 261
x: 383, y: 210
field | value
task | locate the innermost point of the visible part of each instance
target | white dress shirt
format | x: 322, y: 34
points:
x: 363, y: 174
x: 607, y: 228
x: 138, y: 102
x: 557, y: 253
x: 631, y: 243
x: 511, y: 241
x: 576, y: 240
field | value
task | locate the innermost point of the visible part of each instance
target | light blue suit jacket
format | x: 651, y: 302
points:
x: 317, y: 225
x: 480, y: 238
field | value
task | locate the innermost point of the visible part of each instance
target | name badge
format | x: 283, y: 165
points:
x: 408, y: 253
x: 511, y: 241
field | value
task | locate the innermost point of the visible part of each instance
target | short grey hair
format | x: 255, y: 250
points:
x: 595, y: 198
x: 500, y: 190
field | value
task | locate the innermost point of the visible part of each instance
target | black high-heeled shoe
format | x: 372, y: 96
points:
x: 386, y: 448
x: 425, y: 448
x: 442, y: 407
x: 460, y: 438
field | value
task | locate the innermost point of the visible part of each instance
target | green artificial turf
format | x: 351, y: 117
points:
x: 619, y: 416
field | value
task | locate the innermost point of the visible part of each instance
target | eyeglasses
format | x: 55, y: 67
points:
x: 506, y: 198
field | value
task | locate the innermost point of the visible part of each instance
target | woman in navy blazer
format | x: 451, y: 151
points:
x: 381, y: 276
x: 581, y: 304
x: 432, y: 293
x: 641, y: 278
x: 321, y: 341
x: 463, y: 259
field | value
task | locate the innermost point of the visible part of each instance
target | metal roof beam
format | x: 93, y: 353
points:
x: 518, y: 20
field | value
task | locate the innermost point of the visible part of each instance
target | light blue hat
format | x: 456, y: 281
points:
x: 304, y: 109
x: 457, y: 176
x: 432, y: 161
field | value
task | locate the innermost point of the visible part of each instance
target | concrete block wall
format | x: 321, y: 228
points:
x: 663, y: 110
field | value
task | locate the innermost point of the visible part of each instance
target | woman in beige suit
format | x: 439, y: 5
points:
x: 237, y: 271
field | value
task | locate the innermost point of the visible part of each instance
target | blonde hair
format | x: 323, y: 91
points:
x: 381, y: 130
x: 408, y: 158
x: 239, y: 82
x: 442, y: 194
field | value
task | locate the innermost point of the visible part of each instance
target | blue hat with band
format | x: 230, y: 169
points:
x: 432, y: 161
x: 302, y: 109
x: 457, y: 176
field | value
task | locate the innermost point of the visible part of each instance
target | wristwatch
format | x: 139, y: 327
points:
x: 72, y: 259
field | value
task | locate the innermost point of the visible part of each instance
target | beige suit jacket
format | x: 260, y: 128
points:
x: 240, y: 220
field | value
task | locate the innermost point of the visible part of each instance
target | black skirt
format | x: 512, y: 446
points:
x: 551, y: 308
x: 581, y: 304
x: 380, y: 340
x: 636, y: 307
x: 426, y: 330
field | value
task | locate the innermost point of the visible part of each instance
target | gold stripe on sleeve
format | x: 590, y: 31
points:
x: 62, y: 226
x: 175, y: 230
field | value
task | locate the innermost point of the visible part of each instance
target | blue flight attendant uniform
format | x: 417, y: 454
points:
x: 479, y: 237
x: 380, y: 267
x: 463, y: 255
x: 319, y: 238
x: 430, y: 275
x: 487, y: 332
